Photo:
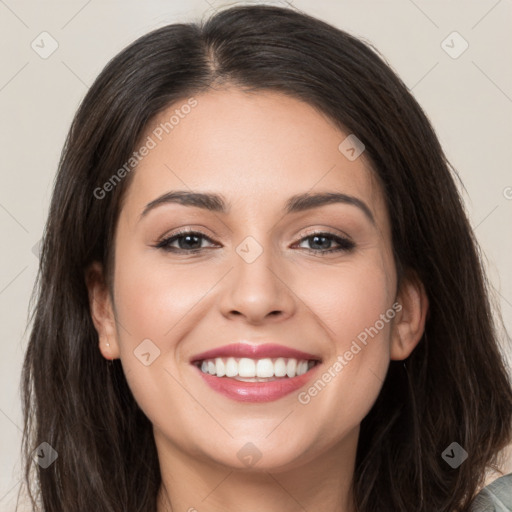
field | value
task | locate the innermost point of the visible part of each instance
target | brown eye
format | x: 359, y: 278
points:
x: 187, y: 241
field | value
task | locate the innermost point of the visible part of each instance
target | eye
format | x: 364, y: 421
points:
x: 188, y: 241
x: 323, y: 241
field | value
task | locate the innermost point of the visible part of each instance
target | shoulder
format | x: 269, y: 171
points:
x: 494, y: 497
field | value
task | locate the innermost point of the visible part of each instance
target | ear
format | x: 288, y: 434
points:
x: 409, y: 323
x: 102, y: 311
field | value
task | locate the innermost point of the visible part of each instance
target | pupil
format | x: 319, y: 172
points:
x: 187, y: 238
x: 316, y: 237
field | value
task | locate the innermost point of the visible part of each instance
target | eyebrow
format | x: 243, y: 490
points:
x: 217, y: 203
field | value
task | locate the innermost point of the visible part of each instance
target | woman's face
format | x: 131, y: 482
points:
x: 255, y: 275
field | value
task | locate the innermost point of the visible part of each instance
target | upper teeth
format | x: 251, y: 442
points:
x: 262, y: 368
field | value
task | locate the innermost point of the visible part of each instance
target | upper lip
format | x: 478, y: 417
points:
x: 244, y: 349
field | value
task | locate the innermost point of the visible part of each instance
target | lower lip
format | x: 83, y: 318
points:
x: 257, y: 391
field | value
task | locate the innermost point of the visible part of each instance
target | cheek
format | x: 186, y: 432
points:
x: 152, y: 304
x: 355, y: 306
x: 349, y: 299
x: 152, y: 300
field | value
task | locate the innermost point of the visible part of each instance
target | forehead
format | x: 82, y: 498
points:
x: 257, y: 149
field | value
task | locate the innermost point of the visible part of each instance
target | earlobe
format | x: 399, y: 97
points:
x: 409, y: 324
x: 101, y: 310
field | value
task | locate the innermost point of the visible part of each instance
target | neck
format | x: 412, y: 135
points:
x: 192, y: 485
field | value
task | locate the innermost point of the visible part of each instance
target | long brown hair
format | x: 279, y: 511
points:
x: 454, y: 387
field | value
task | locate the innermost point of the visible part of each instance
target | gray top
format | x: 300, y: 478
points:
x: 495, y: 497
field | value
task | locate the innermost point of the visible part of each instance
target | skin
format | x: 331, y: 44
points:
x: 257, y: 150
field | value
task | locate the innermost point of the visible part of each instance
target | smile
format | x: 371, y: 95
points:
x: 255, y: 373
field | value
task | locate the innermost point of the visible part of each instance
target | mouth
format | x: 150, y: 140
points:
x: 255, y: 373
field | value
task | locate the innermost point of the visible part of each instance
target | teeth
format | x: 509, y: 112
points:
x: 302, y: 367
x: 246, y: 368
x: 264, y: 368
x: 220, y: 367
x: 291, y: 368
x: 280, y: 367
x: 254, y: 369
x: 231, y: 367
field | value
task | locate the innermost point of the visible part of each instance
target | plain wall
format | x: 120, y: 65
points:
x: 468, y: 99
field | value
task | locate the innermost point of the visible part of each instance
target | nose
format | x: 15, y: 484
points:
x: 259, y: 290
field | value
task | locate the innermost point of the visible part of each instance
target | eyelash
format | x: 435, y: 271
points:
x: 345, y: 244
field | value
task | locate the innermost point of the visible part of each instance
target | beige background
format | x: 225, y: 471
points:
x: 468, y: 99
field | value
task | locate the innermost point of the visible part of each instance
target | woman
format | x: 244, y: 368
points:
x: 259, y: 288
